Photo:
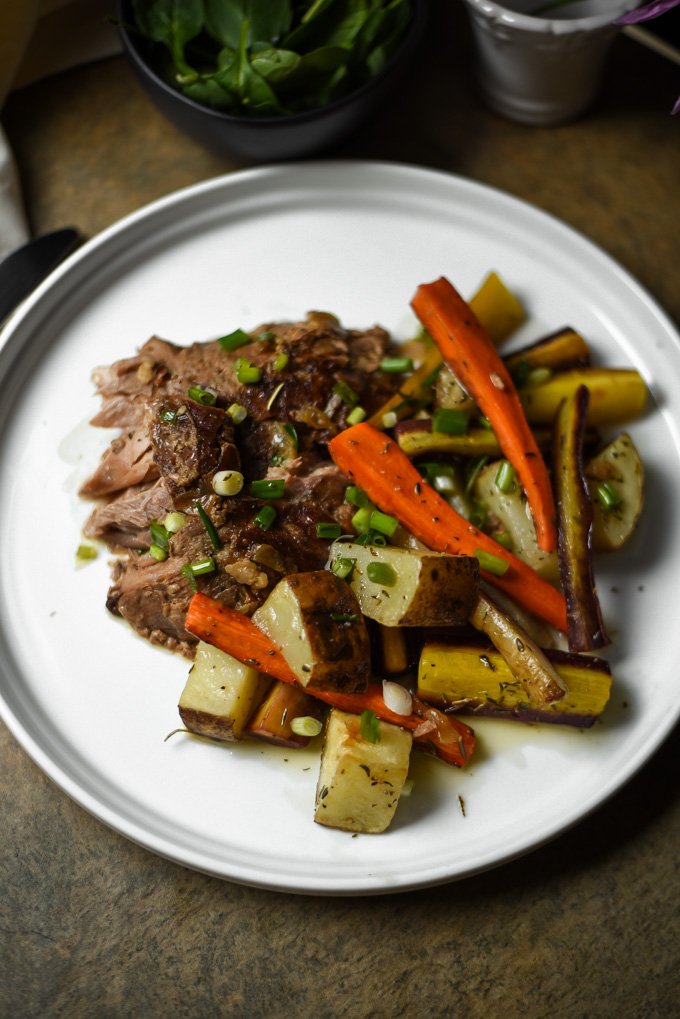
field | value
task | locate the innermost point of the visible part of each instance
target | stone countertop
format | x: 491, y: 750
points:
x: 587, y: 926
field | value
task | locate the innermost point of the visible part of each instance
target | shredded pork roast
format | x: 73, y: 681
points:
x: 171, y: 446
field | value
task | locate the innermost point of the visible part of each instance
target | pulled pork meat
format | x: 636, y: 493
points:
x: 172, y: 443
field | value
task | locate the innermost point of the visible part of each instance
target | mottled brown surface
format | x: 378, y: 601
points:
x: 586, y: 927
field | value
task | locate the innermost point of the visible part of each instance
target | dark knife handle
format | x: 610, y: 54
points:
x: 23, y: 269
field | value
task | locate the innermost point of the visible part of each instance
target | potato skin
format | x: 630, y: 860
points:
x: 317, y: 622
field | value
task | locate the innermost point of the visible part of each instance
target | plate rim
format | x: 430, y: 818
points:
x: 272, y: 175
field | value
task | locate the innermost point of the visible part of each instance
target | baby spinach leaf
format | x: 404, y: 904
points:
x: 242, y: 80
x: 275, y: 65
x: 171, y: 22
x: 268, y: 20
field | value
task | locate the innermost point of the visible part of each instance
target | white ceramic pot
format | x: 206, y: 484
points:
x: 542, y: 70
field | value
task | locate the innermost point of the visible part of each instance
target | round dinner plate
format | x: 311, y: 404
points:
x: 92, y: 703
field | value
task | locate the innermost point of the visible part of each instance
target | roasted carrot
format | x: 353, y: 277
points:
x: 231, y: 631
x: 377, y: 464
x: 472, y: 357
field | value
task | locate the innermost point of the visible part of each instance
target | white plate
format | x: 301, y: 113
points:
x: 92, y: 703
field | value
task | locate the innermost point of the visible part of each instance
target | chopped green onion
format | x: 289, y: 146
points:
x: 209, y: 526
x: 227, y: 482
x: 356, y: 415
x: 158, y: 553
x: 268, y: 488
x: 357, y: 497
x: 389, y: 419
x: 328, y: 530
x: 371, y: 538
x: 174, y: 522
x: 478, y: 515
x: 383, y: 523
x: 281, y: 362
x: 272, y: 398
x: 346, y: 393
x: 265, y: 518
x: 85, y: 552
x: 191, y: 570
x: 266, y: 335
x: 504, y: 539
x: 344, y: 617
x: 290, y: 430
x: 521, y: 373
x: 485, y: 423
x: 607, y: 495
x: 429, y: 382
x: 237, y: 413
x: 537, y: 376
x: 305, y: 725
x: 187, y: 572
x: 505, y: 477
x: 381, y: 573
x: 449, y: 421
x: 370, y: 726
x: 343, y: 567
x: 474, y: 471
x: 396, y: 365
x: 491, y: 563
x: 206, y: 397
x: 168, y: 416
x: 361, y: 521
x: 232, y: 341
x: 159, y: 534
x: 246, y: 373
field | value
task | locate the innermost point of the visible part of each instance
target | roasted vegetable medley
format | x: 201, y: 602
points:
x: 371, y: 543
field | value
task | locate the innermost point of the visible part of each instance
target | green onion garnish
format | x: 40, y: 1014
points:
x: 328, y: 530
x: 246, y: 373
x: 357, y: 496
x: 199, y: 568
x: 168, y: 416
x: 265, y: 518
x: 381, y: 573
x: 205, y: 396
x: 504, y: 539
x: 491, y: 563
x: 521, y: 373
x: 356, y: 415
x: 290, y: 430
x: 485, y: 423
x: 449, y: 421
x: 281, y: 362
x: 343, y: 567
x: 346, y: 393
x: 85, y: 552
x: 361, y: 521
x: 383, y: 523
x: 505, y: 478
x: 266, y: 336
x: 268, y: 488
x: 607, y: 495
x: 209, y: 526
x: 370, y: 726
x: 232, y: 341
x: 237, y: 413
x: 305, y: 725
x: 474, y: 471
x: 158, y: 553
x: 371, y: 538
x: 344, y: 617
x: 478, y: 515
x: 396, y: 365
x: 159, y: 534
x: 174, y: 522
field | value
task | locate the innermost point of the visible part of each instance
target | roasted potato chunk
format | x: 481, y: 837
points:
x: 619, y: 469
x: 360, y: 781
x: 316, y: 621
x: 220, y: 694
x: 420, y: 588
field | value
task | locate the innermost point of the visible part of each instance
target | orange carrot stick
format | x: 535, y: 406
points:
x: 231, y: 631
x: 472, y: 357
x: 377, y: 464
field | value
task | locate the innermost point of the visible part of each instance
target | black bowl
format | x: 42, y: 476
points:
x: 271, y: 138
